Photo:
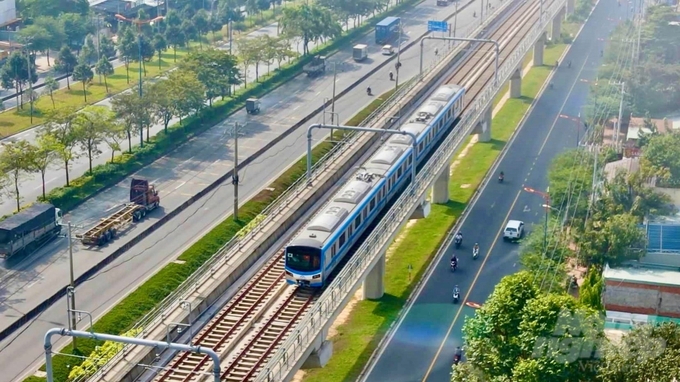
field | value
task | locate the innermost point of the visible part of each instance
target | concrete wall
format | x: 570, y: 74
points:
x: 673, y: 193
x: 668, y: 259
x: 638, y: 298
x: 8, y: 10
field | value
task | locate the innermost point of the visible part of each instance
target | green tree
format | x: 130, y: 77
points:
x: 83, y: 73
x: 108, y: 49
x: 60, y: 130
x: 127, y: 48
x: 135, y: 112
x: 189, y: 30
x: 164, y: 98
x: 50, y: 85
x: 42, y: 157
x: 216, y: 69
x: 610, y: 239
x: 15, y: 158
x: 114, y: 135
x: 647, y: 353
x: 89, y: 52
x: 104, y: 68
x: 36, y: 37
x: 631, y: 193
x: 192, y: 93
x: 90, y: 127
x: 520, y: 334
x: 201, y: 25
x: 66, y: 62
x: 590, y: 291
x: 148, y: 50
x: 173, y: 32
x: 661, y: 157
x: 55, y: 31
x: 571, y: 181
x: 310, y: 22
x: 159, y: 44
x: 76, y: 27
x: 546, y: 264
x: 32, y: 9
x: 16, y: 72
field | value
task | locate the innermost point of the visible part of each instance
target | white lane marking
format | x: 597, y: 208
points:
x: 180, y: 185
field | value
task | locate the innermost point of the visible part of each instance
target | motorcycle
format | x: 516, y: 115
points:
x: 475, y: 253
x: 368, y: 91
x: 456, y: 295
x: 500, y: 178
x: 454, y: 266
x: 391, y: 76
x: 458, y: 241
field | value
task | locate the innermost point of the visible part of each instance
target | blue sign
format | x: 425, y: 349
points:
x: 437, y: 26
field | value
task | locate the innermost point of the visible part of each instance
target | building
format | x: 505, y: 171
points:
x: 127, y: 8
x: 648, y: 291
x: 8, y: 13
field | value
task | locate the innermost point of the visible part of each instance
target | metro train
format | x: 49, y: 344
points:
x: 319, y: 247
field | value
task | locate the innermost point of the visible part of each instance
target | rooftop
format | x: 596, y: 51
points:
x: 643, y: 275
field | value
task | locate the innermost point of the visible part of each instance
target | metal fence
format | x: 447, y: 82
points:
x: 276, y: 208
x: 318, y: 317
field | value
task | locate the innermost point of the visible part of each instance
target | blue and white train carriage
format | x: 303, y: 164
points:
x: 314, y: 252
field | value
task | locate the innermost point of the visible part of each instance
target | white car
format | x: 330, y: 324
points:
x: 513, y: 230
x: 388, y: 50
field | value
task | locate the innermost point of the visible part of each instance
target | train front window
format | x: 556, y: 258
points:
x: 303, y: 259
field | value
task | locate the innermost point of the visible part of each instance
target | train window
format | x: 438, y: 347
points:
x: 399, y: 173
x: 350, y: 231
x: 364, y: 213
x: 332, y: 253
x: 341, y: 241
x: 420, y: 147
x: 408, y: 161
x: 357, y: 222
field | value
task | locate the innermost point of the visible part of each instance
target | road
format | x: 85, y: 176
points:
x: 422, y: 346
x: 31, y: 186
x: 179, y: 176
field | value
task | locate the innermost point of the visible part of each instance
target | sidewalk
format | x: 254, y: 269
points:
x: 31, y: 186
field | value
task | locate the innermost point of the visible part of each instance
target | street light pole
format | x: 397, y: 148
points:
x: 398, y: 64
x: 72, y: 284
x: 234, y: 177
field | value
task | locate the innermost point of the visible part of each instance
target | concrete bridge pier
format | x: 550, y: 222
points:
x: 556, y: 30
x: 323, y: 350
x: 440, y: 187
x: 516, y: 83
x: 538, y: 50
x: 374, y: 284
x: 570, y: 7
x: 483, y: 128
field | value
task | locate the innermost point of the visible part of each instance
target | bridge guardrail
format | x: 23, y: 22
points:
x: 224, y: 254
x: 307, y: 331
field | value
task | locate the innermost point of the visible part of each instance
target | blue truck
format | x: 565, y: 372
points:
x: 387, y: 30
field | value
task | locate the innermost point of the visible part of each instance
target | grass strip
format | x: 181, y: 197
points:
x: 357, y: 337
x: 141, y: 301
x: 16, y: 121
x: 109, y: 174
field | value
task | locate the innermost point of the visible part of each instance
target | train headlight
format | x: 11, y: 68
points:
x: 316, y: 277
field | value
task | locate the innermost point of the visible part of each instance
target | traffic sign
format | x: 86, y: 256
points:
x: 437, y: 26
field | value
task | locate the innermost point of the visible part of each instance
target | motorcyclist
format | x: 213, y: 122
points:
x: 569, y: 64
x: 391, y: 76
x: 368, y: 90
x: 454, y: 261
x: 436, y: 51
x: 458, y: 354
x: 475, y: 249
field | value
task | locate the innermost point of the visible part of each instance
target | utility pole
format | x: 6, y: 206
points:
x: 30, y: 82
x: 234, y: 177
x: 618, y: 122
x: 335, y: 77
x: 72, y: 285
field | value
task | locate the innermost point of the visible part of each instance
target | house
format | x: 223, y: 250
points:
x: 8, y: 13
x: 648, y: 290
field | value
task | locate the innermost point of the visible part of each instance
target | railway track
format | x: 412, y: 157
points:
x: 251, y: 326
x: 232, y: 321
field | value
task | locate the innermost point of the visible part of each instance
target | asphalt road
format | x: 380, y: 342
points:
x: 179, y: 176
x: 422, y: 346
x: 31, y: 185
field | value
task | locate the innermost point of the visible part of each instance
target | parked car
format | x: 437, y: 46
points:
x: 388, y: 50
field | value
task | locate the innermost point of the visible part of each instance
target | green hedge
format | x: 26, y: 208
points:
x: 107, y: 175
x: 141, y: 301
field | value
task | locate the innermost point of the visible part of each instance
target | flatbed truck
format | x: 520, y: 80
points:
x: 143, y: 198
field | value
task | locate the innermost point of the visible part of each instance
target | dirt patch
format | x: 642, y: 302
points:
x: 464, y: 152
x: 465, y: 185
